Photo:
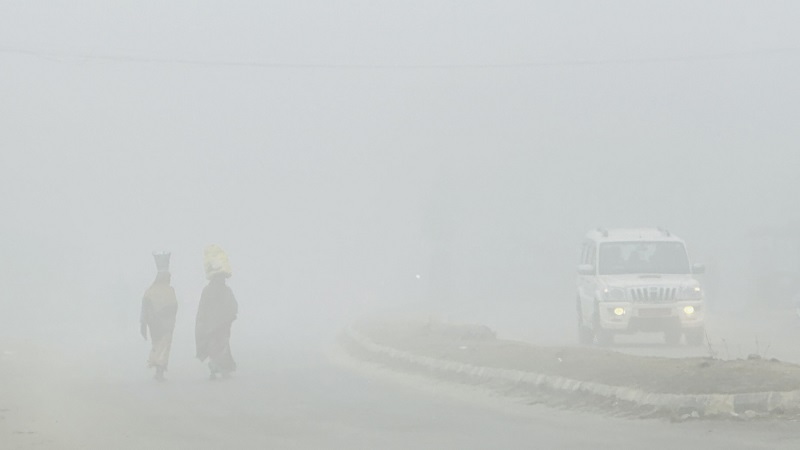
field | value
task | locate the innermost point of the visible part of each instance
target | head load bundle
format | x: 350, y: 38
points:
x: 162, y: 261
x: 216, y: 262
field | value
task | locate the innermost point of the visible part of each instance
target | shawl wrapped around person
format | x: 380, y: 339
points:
x: 159, y: 308
x: 215, y: 315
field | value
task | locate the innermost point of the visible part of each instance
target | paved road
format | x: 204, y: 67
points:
x: 288, y: 394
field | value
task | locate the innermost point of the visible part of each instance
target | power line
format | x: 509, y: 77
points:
x: 62, y: 56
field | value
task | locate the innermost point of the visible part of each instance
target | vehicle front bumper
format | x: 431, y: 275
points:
x: 651, y: 316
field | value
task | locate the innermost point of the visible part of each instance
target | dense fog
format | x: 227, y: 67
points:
x: 355, y: 157
x: 429, y: 159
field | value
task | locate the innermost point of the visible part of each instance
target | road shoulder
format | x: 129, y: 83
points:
x: 683, y: 388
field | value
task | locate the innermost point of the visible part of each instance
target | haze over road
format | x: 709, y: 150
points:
x: 288, y: 394
x: 428, y: 157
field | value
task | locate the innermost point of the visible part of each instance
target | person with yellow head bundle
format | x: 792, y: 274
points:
x: 215, y: 315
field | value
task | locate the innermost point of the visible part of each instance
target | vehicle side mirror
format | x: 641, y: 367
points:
x: 698, y: 268
x: 585, y: 269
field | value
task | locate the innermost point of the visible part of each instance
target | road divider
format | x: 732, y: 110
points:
x: 680, y: 388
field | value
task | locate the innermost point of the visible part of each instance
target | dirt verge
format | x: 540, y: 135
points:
x: 476, y: 345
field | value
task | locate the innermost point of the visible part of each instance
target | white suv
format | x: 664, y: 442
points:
x: 638, y: 280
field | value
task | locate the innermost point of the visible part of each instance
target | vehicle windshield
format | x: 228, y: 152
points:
x: 643, y: 257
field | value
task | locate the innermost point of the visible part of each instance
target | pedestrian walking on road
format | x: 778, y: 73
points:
x: 159, y: 308
x: 215, y: 315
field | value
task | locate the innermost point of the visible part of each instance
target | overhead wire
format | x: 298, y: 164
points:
x: 65, y: 56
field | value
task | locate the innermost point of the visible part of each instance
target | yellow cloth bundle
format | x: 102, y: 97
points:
x: 216, y: 262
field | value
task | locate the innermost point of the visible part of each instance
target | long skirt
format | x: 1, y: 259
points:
x: 217, y: 347
x: 159, y: 353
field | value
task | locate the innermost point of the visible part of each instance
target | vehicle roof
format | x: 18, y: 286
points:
x: 631, y: 234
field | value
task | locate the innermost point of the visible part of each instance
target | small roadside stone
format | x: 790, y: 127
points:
x: 688, y: 416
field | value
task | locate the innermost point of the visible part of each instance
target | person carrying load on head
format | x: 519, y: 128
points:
x: 159, y: 308
x: 215, y: 315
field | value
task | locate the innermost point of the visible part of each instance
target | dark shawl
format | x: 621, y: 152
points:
x: 216, y: 313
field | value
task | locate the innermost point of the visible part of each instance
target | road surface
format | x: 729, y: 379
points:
x: 289, y: 394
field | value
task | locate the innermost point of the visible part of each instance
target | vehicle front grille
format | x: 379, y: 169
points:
x: 655, y: 312
x: 653, y: 294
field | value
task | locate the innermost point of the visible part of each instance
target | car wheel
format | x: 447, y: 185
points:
x: 585, y: 336
x: 672, y: 337
x: 695, y: 338
x: 604, y: 337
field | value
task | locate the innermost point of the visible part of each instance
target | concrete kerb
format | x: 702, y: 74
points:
x: 709, y: 405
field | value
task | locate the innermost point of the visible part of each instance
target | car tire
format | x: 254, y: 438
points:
x: 672, y: 337
x: 695, y: 338
x: 585, y: 336
x: 604, y: 338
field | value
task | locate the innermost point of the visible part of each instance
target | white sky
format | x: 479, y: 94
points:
x: 341, y: 181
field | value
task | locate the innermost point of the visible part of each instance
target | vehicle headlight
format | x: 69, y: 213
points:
x: 618, y: 311
x: 692, y: 293
x: 614, y: 294
x: 688, y: 310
